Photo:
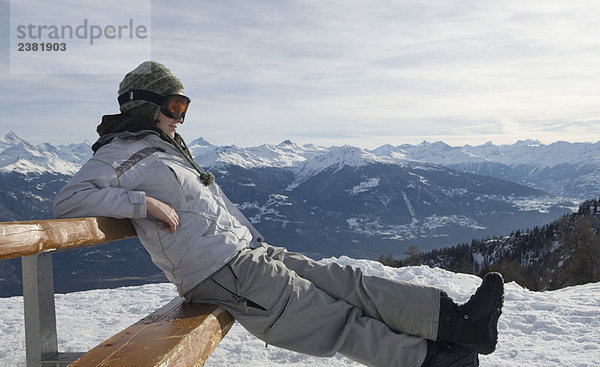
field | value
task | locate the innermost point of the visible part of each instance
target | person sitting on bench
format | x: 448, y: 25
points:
x: 142, y: 170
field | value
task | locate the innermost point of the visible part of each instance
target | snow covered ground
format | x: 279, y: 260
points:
x: 558, y: 328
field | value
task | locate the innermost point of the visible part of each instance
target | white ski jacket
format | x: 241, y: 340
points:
x: 115, y: 182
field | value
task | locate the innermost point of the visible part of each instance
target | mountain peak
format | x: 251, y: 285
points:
x: 436, y: 144
x: 11, y: 139
x: 340, y: 156
x: 286, y: 142
x: 200, y: 143
x: 529, y: 143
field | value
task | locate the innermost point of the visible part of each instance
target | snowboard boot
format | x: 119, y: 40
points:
x: 474, y: 325
x: 443, y: 354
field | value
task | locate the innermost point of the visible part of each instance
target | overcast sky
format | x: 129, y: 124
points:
x: 333, y: 72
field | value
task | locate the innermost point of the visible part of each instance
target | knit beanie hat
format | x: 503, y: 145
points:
x: 152, y: 76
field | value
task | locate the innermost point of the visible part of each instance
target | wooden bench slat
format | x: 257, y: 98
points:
x: 32, y: 237
x: 178, y: 334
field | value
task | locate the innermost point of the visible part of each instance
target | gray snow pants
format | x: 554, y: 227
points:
x: 291, y: 301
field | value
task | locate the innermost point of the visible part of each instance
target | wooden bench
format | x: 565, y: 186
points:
x: 178, y: 334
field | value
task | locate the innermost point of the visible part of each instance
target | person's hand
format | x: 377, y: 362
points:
x: 164, y: 212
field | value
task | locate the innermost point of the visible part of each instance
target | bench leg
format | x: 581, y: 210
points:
x: 40, y: 316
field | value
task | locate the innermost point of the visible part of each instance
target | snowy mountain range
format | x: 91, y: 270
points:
x: 576, y: 165
x: 17, y: 155
x: 562, y: 168
x: 411, y: 182
x: 331, y: 201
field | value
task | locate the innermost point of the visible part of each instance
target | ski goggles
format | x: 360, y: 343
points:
x: 172, y: 105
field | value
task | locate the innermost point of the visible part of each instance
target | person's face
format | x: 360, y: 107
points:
x: 167, y: 124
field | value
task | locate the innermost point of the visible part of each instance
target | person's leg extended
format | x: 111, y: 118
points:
x: 404, y: 307
x: 283, y: 309
x: 472, y: 325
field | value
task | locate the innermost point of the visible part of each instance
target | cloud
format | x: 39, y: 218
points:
x: 340, y: 72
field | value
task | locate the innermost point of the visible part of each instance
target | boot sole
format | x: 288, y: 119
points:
x: 498, y: 287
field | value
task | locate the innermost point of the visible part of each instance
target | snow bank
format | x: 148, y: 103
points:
x: 559, y: 328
